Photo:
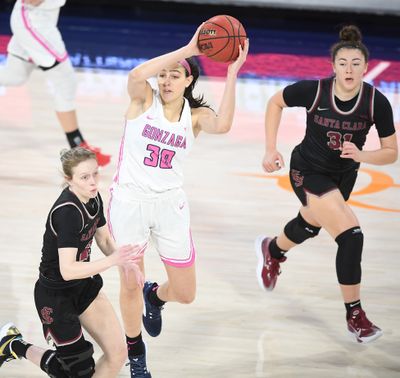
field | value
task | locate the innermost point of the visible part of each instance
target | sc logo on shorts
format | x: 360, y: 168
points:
x: 378, y: 182
x: 46, y: 312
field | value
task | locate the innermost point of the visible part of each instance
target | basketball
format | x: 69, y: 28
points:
x: 219, y: 38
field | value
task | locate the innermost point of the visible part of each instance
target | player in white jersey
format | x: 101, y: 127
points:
x: 37, y: 43
x: 148, y: 201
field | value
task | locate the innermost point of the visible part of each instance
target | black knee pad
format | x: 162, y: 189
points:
x: 70, y: 362
x: 79, y: 364
x: 348, y: 258
x: 51, y: 366
x: 298, y: 230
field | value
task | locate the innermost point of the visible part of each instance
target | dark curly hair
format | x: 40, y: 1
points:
x: 350, y: 38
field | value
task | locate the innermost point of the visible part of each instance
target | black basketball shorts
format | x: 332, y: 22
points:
x: 59, y: 309
x: 305, y: 179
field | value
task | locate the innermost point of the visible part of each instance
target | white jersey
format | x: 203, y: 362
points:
x: 46, y: 4
x: 153, y: 150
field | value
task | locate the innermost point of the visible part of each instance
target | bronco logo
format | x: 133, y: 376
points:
x: 297, y: 178
x: 379, y: 182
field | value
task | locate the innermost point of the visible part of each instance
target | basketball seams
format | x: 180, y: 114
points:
x: 232, y: 37
x: 216, y: 38
x: 223, y: 48
x: 220, y: 26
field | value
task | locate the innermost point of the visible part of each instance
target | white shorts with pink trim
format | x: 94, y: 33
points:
x: 36, y: 37
x: 163, y: 218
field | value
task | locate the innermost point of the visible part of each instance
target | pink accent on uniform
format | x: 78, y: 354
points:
x: 40, y: 39
x: 143, y: 249
x: 179, y: 263
x: 108, y: 215
x: 121, y: 152
x: 131, y: 344
x: 186, y: 64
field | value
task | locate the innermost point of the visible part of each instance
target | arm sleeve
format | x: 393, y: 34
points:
x: 102, y: 220
x: 67, y: 222
x: 383, y: 115
x: 301, y: 93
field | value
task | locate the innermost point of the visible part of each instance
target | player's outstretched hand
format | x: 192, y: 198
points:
x: 129, y: 254
x: 128, y: 257
x: 273, y: 161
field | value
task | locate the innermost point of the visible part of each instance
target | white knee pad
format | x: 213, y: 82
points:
x: 15, y: 72
x: 62, y: 81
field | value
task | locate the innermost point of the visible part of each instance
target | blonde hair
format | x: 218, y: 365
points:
x: 70, y: 158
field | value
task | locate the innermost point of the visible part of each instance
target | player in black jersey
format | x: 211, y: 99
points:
x: 68, y: 294
x: 323, y: 168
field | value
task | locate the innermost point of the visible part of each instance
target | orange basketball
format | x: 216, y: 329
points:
x: 219, y: 38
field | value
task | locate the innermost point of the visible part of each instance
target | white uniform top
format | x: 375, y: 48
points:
x: 153, y: 150
x: 46, y: 4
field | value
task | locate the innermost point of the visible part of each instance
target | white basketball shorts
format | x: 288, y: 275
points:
x: 36, y: 37
x: 163, y: 218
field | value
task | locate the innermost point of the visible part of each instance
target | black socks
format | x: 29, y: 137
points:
x: 135, y: 345
x: 75, y: 138
x: 20, y: 347
x: 153, y: 298
x: 275, y: 251
x: 351, y: 306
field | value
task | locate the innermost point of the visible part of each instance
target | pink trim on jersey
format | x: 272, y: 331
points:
x: 182, y: 263
x: 108, y: 215
x: 40, y: 39
x: 121, y: 151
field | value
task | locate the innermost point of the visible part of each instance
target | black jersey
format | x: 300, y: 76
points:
x: 70, y: 224
x: 330, y: 122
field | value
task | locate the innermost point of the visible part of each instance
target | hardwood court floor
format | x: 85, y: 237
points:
x: 233, y: 329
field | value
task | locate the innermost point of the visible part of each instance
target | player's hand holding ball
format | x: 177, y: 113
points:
x: 223, y: 38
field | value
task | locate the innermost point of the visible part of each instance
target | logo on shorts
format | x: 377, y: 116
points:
x: 322, y: 109
x: 297, y: 178
x: 45, y: 312
x: 182, y: 205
